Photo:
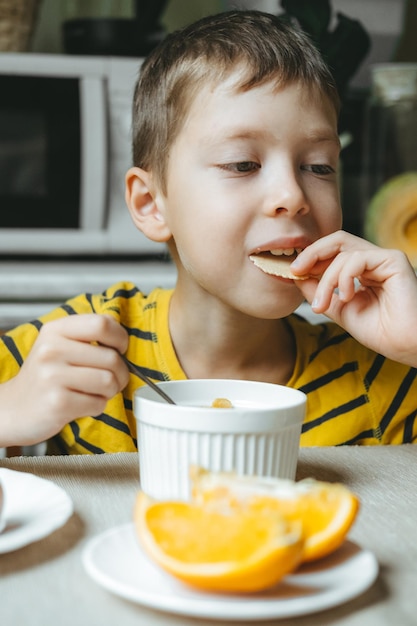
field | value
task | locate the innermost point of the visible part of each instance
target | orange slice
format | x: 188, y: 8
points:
x: 325, y: 510
x: 219, y: 549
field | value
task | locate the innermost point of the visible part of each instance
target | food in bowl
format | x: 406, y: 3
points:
x: 221, y: 403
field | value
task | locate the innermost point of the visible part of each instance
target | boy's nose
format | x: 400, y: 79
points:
x: 287, y: 196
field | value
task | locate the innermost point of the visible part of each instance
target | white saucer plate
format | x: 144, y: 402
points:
x: 116, y: 561
x: 33, y: 508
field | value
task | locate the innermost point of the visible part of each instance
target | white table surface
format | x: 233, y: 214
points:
x: 45, y: 583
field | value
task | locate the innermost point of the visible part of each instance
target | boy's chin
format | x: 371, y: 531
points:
x: 274, y: 309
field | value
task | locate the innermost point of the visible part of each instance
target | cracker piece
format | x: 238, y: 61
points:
x: 276, y: 265
x: 221, y: 403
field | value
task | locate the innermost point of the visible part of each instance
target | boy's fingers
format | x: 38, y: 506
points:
x: 320, y: 254
x: 90, y: 328
x: 308, y: 288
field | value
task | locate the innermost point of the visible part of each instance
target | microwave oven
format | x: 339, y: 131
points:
x: 65, y: 146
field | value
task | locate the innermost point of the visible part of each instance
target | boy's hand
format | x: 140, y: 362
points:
x: 376, y: 297
x: 73, y: 369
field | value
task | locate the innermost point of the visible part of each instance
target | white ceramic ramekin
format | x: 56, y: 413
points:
x: 260, y: 435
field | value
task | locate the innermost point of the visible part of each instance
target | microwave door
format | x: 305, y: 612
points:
x: 53, y: 163
x: 39, y: 152
x: 65, y: 147
x: 94, y: 154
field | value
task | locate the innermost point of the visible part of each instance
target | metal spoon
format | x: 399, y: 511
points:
x: 135, y: 370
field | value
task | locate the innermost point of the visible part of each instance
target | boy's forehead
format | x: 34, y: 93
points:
x: 223, y: 112
x: 215, y: 92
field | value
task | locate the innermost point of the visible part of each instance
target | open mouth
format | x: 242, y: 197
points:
x: 277, y: 262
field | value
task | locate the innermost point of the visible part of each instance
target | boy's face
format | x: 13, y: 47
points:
x: 251, y: 171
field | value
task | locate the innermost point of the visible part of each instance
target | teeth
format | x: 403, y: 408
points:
x: 285, y: 251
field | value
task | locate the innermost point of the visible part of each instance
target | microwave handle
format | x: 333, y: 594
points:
x: 94, y: 153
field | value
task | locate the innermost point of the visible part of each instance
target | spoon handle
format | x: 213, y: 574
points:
x: 135, y: 370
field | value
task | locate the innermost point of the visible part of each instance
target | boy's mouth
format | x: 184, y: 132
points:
x: 277, y: 262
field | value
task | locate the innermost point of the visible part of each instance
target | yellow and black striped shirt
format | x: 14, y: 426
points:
x: 355, y: 396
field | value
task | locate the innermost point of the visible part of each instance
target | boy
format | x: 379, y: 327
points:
x: 235, y: 166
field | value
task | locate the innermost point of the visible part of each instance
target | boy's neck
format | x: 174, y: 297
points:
x: 218, y: 343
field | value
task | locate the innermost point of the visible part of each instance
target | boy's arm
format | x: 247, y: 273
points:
x: 369, y: 291
x: 73, y: 369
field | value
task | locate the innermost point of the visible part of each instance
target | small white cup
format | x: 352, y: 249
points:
x: 260, y: 435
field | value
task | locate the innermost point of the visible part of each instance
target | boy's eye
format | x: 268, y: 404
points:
x: 320, y: 170
x: 242, y: 167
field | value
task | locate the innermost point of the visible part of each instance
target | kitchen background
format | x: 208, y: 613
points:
x: 29, y: 287
x: 386, y: 21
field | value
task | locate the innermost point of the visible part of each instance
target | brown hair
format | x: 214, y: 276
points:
x: 262, y: 46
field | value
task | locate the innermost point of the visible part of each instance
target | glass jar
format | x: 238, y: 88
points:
x: 391, y: 124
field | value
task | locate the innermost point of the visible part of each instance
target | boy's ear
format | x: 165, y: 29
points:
x: 143, y: 201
